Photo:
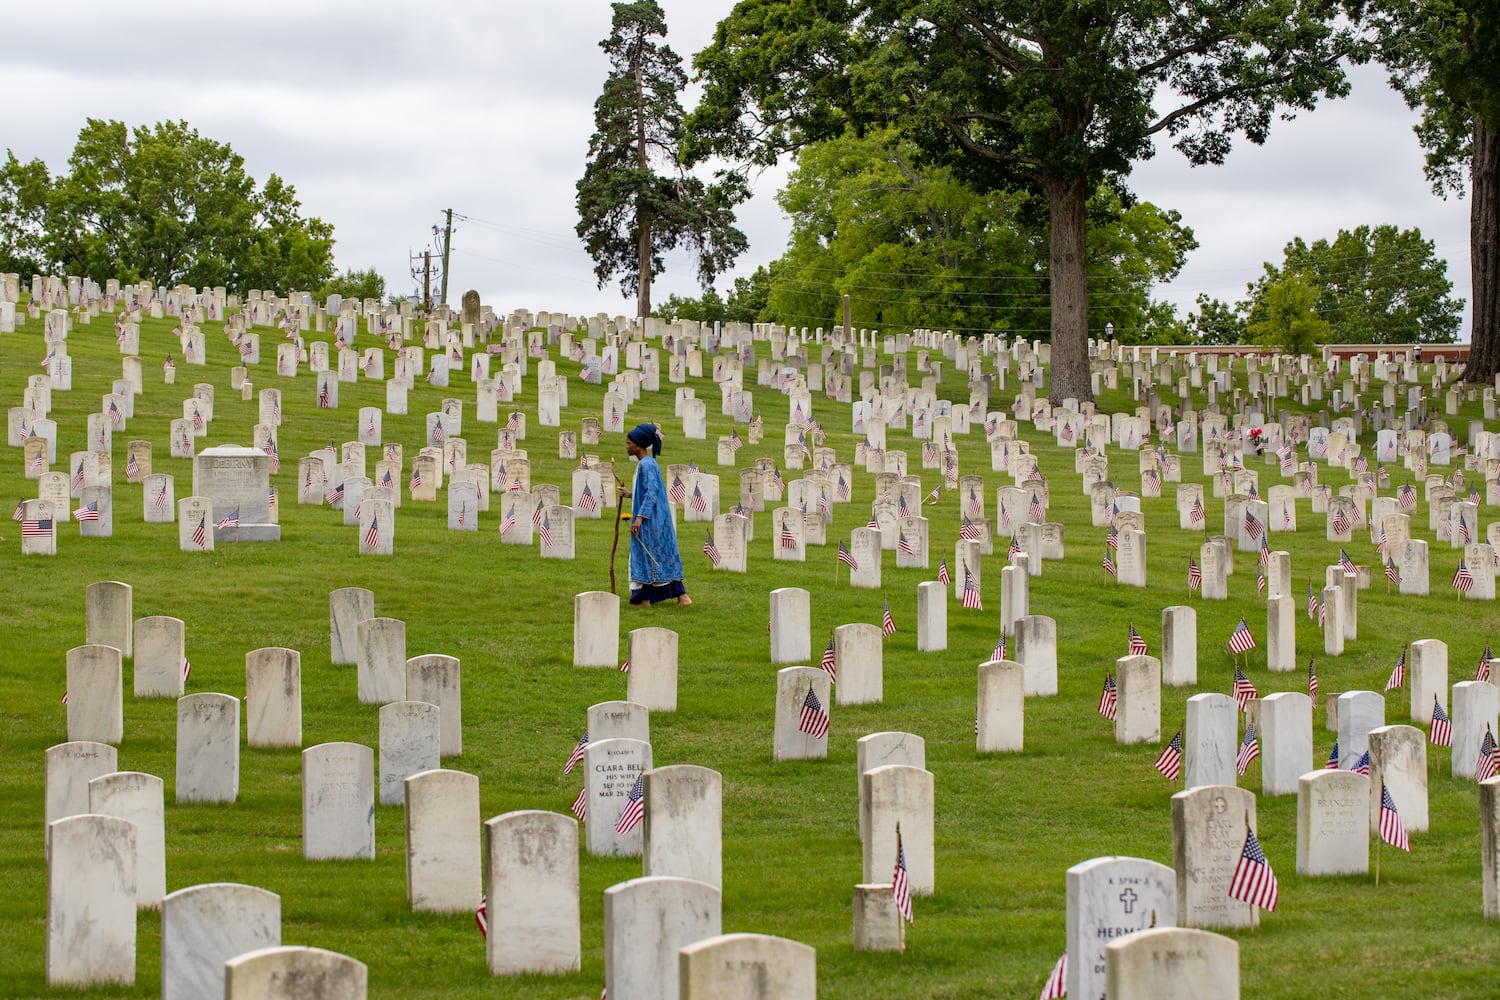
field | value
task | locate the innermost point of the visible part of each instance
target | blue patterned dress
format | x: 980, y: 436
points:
x: 655, y: 563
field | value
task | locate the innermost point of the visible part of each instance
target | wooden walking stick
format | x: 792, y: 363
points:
x: 619, y: 487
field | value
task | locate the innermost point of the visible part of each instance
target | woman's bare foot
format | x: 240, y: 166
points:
x: 684, y: 600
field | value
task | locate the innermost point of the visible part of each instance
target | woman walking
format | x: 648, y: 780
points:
x: 655, y: 563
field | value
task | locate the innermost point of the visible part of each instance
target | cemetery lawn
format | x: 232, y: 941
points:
x: 1007, y: 825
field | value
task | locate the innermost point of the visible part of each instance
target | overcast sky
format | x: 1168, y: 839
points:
x: 384, y: 114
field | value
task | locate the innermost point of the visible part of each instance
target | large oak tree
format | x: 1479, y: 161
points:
x: 1444, y: 57
x: 1058, y: 95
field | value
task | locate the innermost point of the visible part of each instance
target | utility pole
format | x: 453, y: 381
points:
x: 447, y: 245
x: 427, y: 281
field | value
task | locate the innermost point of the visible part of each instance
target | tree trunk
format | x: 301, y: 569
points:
x: 1068, y: 269
x: 644, y: 217
x: 1484, y: 255
x: 643, y: 220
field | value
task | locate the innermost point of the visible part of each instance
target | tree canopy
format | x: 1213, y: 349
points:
x: 162, y: 204
x: 913, y: 245
x: 1059, y: 95
x: 1372, y: 286
x: 628, y: 213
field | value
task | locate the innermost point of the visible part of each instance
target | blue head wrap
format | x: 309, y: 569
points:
x: 646, y: 436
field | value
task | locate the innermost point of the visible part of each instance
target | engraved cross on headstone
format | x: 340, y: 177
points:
x: 1128, y: 897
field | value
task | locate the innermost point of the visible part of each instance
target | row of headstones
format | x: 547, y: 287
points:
x: 662, y: 933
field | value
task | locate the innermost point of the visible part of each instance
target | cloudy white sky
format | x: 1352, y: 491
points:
x: 383, y: 114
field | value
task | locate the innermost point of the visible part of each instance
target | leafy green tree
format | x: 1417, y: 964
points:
x: 1285, y: 318
x: 628, y: 213
x: 750, y: 298
x: 1444, y: 58
x: 162, y: 204
x: 353, y: 284
x: 1215, y: 322
x: 913, y: 245
x: 1374, y: 286
x: 1058, y: 95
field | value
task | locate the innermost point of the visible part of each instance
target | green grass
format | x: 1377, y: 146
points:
x: 1008, y: 826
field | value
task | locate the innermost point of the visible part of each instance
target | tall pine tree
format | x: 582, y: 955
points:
x: 628, y: 213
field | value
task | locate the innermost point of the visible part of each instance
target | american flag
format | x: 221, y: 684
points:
x: 823, y: 506
x: 161, y: 497
x: 1196, y: 514
x: 843, y: 487
x: 1312, y: 684
x: 1482, y: 673
x: 168, y: 364
x: 635, y: 807
x: 1108, y: 697
x: 1392, y: 830
x: 900, y: 886
x: 976, y: 506
x: 1253, y: 881
x: 999, y: 651
x: 1004, y: 517
x: 536, y: 516
x: 1362, y: 766
x: 132, y: 468
x: 1312, y: 603
x: 1195, y: 575
x: 323, y: 397
x: 1056, y: 986
x: 902, y: 509
x: 943, y: 576
x: 1488, y: 764
x: 372, y: 535
x: 887, y: 623
x: 1014, y: 550
x: 970, y: 531
x: 1382, y: 475
x: 698, y: 503
x: 546, y: 531
x: 1260, y: 580
x: 1333, y: 757
x: 788, y: 539
x: 463, y: 513
x: 1406, y: 497
x: 1243, y: 690
x: 1340, y: 522
x: 677, y: 493
x: 1391, y: 572
x: 78, y: 475
x: 1034, y: 511
x: 200, y: 533
x: 904, y: 545
x: 19, y: 514
x: 187, y: 670
x: 39, y: 461
x: 814, y: 718
x: 438, y: 433
x: 846, y: 557
x: 88, y: 512
x: 1108, y: 563
x: 271, y: 496
x: 1135, y: 645
x: 1442, y: 726
x: 580, y: 806
x: 830, y: 662
x: 1170, y: 761
x: 586, y: 499
x: 935, y: 495
x: 1241, y: 641
x: 1112, y: 537
x: 508, y: 521
x: 115, y: 416
x: 711, y: 550
x: 334, y: 495
x: 1398, y: 675
x: 36, y: 527
x: 1249, y: 750
x: 230, y: 520
x: 734, y: 440
x: 1253, y: 526
x: 970, y: 597
x: 1463, y: 580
